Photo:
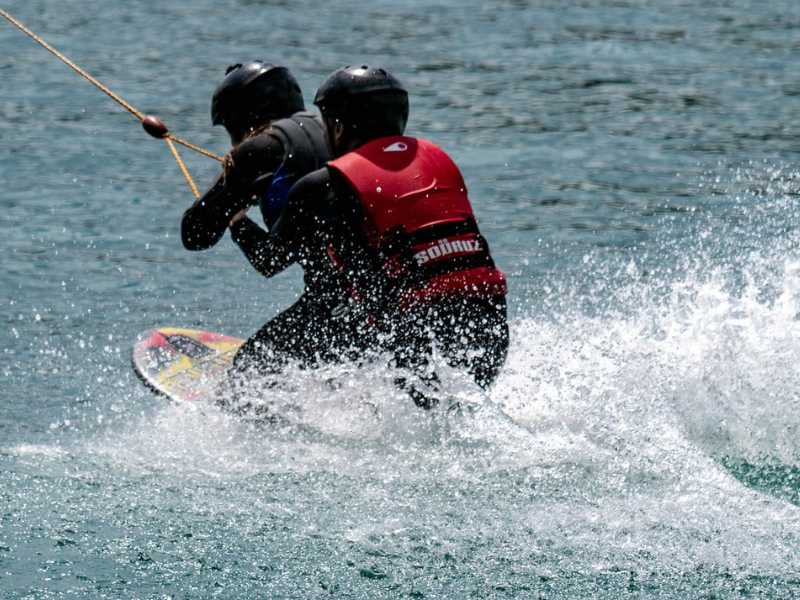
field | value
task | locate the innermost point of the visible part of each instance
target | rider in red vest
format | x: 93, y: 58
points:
x: 392, y: 215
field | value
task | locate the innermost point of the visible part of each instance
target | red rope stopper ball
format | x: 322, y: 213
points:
x: 155, y: 127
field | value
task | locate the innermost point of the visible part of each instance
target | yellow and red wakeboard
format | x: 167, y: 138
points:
x: 186, y: 365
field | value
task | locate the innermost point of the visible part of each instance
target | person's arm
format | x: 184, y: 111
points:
x: 268, y: 254
x: 205, y: 222
x: 288, y: 241
x: 310, y: 209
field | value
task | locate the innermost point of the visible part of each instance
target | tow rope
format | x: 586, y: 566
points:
x: 151, y: 124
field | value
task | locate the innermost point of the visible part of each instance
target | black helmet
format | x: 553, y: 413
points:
x: 253, y: 93
x: 370, y: 100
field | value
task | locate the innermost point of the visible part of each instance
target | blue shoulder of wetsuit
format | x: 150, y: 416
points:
x: 273, y: 201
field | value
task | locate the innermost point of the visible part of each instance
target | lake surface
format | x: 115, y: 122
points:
x: 634, y: 167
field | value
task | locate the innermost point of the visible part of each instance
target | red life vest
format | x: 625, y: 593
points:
x: 417, y: 216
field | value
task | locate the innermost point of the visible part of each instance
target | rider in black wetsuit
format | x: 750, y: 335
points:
x: 275, y: 142
x: 391, y: 214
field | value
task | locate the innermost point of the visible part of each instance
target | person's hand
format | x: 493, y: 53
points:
x: 238, y: 216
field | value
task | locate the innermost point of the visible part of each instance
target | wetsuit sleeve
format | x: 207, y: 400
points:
x: 267, y: 253
x: 252, y: 162
x: 310, y: 211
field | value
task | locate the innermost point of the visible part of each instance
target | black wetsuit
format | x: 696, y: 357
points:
x: 305, y: 331
x: 323, y: 211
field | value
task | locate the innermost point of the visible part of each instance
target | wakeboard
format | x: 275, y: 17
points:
x: 186, y: 365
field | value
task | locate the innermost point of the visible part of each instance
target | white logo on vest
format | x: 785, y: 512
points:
x: 445, y: 247
x: 396, y: 147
